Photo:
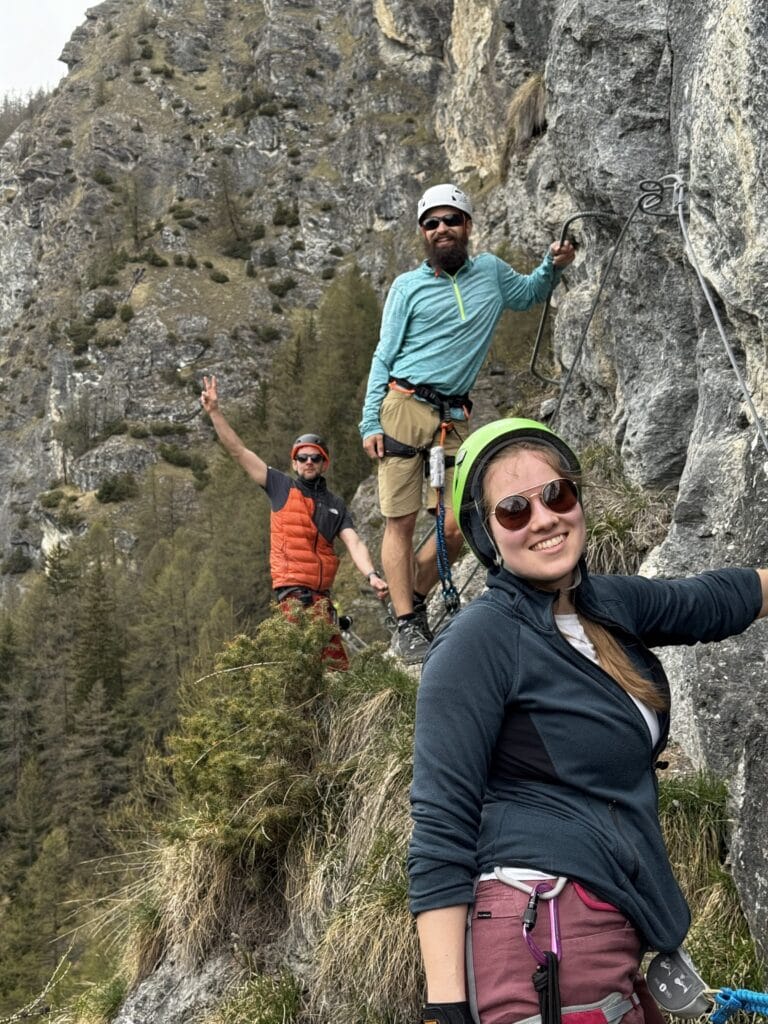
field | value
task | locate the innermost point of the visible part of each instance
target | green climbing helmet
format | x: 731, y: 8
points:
x: 471, y: 462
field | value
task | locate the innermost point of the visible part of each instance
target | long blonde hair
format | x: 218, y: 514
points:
x: 611, y: 656
x: 614, y: 660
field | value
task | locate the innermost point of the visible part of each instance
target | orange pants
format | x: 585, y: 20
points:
x: 333, y: 654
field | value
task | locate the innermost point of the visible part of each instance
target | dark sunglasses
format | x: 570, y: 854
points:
x: 514, y: 511
x: 310, y: 458
x: 451, y: 220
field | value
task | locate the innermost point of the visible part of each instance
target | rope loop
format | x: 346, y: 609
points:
x: 730, y: 1001
x: 451, y: 597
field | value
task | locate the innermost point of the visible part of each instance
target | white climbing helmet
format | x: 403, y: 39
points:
x: 444, y: 195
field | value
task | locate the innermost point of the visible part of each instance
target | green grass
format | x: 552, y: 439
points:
x: 695, y: 821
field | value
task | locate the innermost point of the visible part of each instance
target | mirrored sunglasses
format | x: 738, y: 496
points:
x: 310, y: 458
x: 451, y: 220
x: 514, y: 511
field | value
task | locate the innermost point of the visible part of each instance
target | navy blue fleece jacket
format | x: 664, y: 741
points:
x: 529, y: 754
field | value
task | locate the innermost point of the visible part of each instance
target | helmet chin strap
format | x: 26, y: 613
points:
x: 497, y: 558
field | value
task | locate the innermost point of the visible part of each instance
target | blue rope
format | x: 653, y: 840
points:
x: 450, y: 593
x: 730, y: 1001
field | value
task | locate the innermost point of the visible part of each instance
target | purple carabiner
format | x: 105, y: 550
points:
x: 554, y: 926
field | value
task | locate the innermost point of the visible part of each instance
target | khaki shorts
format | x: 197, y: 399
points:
x: 401, y: 481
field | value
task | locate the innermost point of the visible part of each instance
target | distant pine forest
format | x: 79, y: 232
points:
x: 104, y: 630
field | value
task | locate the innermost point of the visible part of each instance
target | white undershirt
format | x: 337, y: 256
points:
x: 573, y: 631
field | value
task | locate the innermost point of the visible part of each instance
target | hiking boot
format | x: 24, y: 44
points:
x: 409, y: 643
x: 421, y: 619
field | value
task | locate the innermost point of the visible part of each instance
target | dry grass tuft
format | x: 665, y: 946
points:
x: 624, y: 521
x: 526, y: 118
x: 348, y: 888
x: 695, y: 823
x: 202, y: 895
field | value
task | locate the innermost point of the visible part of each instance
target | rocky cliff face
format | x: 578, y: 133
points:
x: 245, y: 151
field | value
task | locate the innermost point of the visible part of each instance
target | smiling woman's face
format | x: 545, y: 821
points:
x: 547, y: 549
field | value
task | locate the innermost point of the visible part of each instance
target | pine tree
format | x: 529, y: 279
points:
x: 170, y: 611
x: 32, y: 941
x: 28, y: 817
x: 94, y: 773
x: 338, y: 354
x: 100, y: 645
x: 285, y: 397
x: 15, y: 714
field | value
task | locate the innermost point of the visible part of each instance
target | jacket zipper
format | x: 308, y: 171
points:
x: 613, y: 807
x: 457, y: 293
x: 317, y: 557
x: 633, y: 707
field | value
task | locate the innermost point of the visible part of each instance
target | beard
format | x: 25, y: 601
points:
x: 446, y: 257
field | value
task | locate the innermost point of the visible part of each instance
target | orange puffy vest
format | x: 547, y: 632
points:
x: 299, y: 554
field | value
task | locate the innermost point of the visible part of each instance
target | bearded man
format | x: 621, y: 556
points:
x: 436, y: 330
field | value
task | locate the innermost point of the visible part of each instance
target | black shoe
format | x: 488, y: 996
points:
x: 409, y: 643
x: 421, y: 618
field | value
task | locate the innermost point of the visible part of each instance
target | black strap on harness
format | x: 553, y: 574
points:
x: 303, y: 595
x: 407, y: 451
x: 428, y: 393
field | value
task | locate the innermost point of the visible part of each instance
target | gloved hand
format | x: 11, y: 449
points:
x: 446, y: 1013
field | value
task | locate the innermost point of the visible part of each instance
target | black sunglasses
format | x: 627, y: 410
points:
x: 451, y: 220
x: 310, y: 458
x: 514, y: 511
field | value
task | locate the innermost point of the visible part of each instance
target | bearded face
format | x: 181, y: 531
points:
x: 446, y: 246
x: 446, y: 254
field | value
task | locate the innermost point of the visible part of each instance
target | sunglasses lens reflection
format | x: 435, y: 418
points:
x: 514, y: 511
x: 451, y: 220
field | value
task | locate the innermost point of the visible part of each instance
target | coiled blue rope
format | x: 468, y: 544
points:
x: 451, y: 597
x: 730, y: 1001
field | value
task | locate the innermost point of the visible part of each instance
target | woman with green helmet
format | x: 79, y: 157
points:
x: 538, y: 871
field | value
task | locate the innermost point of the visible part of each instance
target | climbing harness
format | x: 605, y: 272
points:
x: 649, y: 202
x: 435, y: 464
x: 430, y: 394
x: 306, y: 596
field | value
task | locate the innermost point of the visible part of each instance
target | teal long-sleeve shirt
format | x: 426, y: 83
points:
x: 436, y: 328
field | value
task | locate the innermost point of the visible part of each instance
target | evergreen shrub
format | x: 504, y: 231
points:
x: 283, y: 286
x: 175, y: 455
x: 50, y: 499
x: 104, y: 308
x: 16, y: 563
x: 117, y: 487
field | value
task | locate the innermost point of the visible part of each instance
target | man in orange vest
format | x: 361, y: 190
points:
x: 305, y: 520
